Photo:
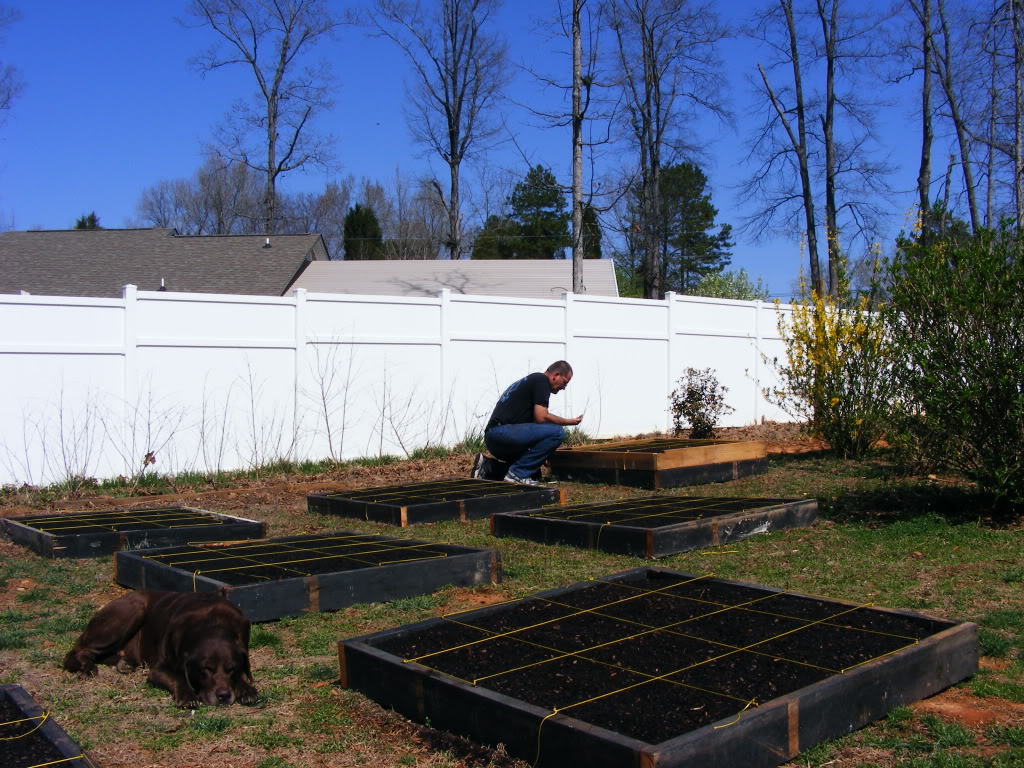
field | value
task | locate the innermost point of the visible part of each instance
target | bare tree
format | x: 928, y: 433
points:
x: 817, y: 148
x: 322, y: 212
x: 669, y: 73
x: 949, y: 79
x: 222, y: 198
x: 273, y: 133
x: 11, y: 83
x: 459, y: 71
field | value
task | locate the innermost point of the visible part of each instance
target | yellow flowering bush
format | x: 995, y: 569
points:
x: 835, y: 375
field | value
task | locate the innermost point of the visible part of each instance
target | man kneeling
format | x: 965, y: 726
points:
x: 522, y: 431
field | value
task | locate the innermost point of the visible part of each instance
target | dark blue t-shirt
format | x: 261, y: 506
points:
x: 515, y: 406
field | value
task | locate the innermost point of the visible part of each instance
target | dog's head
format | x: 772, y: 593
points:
x: 217, y: 667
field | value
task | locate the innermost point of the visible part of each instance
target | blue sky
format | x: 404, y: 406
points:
x: 111, y: 106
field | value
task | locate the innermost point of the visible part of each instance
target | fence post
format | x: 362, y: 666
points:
x: 567, y: 331
x: 129, y: 386
x: 757, y: 360
x: 300, y: 366
x: 670, y: 335
x: 443, y: 388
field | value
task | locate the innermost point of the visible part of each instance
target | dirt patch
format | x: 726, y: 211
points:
x: 469, y: 599
x: 963, y: 707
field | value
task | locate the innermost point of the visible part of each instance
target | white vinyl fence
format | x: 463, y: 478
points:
x: 203, y: 382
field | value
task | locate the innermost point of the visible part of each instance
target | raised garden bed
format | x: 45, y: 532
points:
x: 293, y: 575
x: 462, y: 499
x: 31, y: 738
x: 655, y: 526
x: 662, y: 462
x: 93, y: 534
x: 652, y: 667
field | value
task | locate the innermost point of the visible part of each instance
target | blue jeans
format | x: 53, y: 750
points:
x: 524, y: 446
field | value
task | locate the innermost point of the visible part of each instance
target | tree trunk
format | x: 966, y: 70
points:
x: 963, y: 140
x: 1018, y: 113
x: 828, y: 29
x: 577, y: 148
x: 454, y: 220
x: 817, y: 284
x: 924, y: 173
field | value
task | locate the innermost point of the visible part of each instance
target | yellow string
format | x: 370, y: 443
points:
x: 751, y: 703
x: 42, y: 719
x: 62, y: 760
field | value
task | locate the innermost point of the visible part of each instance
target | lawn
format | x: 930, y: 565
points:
x: 924, y: 543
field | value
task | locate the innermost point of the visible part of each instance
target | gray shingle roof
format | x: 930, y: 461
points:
x: 523, y: 278
x: 98, y: 262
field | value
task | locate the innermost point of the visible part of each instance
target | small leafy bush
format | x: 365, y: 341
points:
x: 698, y: 402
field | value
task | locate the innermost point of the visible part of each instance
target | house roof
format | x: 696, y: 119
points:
x: 523, y: 278
x: 98, y: 262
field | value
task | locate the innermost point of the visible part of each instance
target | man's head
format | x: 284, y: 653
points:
x: 559, y: 375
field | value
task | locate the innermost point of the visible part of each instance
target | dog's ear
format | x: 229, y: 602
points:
x: 223, y: 591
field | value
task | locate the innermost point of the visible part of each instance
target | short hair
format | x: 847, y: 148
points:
x: 560, y: 366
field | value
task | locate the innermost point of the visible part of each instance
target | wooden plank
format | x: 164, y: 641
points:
x: 269, y: 600
x: 603, y: 460
x: 49, y: 730
x: 712, y: 454
x: 761, y: 737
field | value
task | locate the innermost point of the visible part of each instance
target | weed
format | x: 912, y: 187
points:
x: 1013, y: 736
x: 947, y: 734
x: 992, y: 643
x: 209, y: 723
x: 264, y: 637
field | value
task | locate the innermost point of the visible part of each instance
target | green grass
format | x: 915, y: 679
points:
x: 884, y: 538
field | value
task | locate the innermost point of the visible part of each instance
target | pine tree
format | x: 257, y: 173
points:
x: 362, y: 235
x: 540, y: 216
x: 88, y: 221
x: 591, y: 233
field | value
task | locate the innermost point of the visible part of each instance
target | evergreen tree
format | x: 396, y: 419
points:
x: 540, y: 216
x: 362, y: 235
x: 690, y: 250
x: 88, y: 221
x: 497, y: 239
x: 591, y: 233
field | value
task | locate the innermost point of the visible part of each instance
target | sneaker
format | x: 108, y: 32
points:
x: 479, y: 464
x: 510, y: 478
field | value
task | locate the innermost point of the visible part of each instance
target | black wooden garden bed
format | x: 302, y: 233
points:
x: 30, y: 738
x: 661, y: 462
x: 92, y: 534
x: 656, y: 526
x: 293, y: 575
x: 652, y: 667
x: 462, y: 499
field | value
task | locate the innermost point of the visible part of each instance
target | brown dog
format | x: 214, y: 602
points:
x: 196, y: 645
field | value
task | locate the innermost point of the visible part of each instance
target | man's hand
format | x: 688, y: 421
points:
x: 542, y: 415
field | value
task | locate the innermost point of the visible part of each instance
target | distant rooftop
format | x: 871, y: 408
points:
x: 523, y: 278
x: 98, y: 262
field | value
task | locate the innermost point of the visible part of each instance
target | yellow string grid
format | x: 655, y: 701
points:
x: 671, y: 628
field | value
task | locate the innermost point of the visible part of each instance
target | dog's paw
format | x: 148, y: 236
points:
x: 248, y: 697
x: 187, y: 701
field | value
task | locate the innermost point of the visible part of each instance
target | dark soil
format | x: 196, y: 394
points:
x: 23, y: 744
x: 432, y: 493
x: 657, y: 511
x: 658, y: 655
x: 272, y: 561
x: 121, y: 520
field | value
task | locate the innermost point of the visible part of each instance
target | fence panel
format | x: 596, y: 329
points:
x: 208, y: 382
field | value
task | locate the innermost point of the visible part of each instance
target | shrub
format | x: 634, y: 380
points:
x: 698, y: 401
x: 957, y: 318
x: 835, y: 376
